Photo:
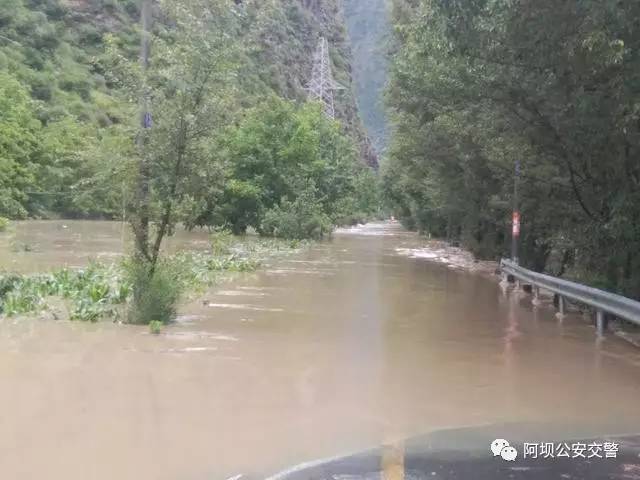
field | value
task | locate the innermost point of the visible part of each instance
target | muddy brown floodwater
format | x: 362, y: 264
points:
x: 344, y: 347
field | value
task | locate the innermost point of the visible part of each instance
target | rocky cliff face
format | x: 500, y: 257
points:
x: 284, y: 52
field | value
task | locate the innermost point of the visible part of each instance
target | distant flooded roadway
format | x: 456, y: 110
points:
x: 347, y: 346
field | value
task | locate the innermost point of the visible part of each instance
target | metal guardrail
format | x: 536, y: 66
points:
x: 603, y: 302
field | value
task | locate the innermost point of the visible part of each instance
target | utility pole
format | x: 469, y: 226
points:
x: 515, y: 230
x: 141, y: 229
x: 321, y: 86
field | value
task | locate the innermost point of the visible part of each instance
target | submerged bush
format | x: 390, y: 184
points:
x: 23, y: 298
x: 8, y: 283
x: 108, y: 291
x: 156, y: 292
x: 25, y: 294
x: 303, y: 218
x: 221, y: 241
x: 92, y: 293
x: 4, y: 223
x: 195, y: 270
x: 155, y: 327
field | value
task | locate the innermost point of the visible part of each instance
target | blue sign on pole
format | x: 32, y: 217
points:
x: 148, y: 122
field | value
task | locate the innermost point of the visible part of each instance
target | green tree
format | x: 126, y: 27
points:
x: 280, y: 153
x: 189, y: 80
x: 476, y: 85
x: 19, y: 133
x: 187, y: 85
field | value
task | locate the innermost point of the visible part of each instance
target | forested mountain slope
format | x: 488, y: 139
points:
x: 369, y: 28
x: 479, y: 87
x: 63, y: 109
x: 285, y: 35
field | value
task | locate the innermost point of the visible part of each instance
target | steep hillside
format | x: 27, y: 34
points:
x: 54, y: 55
x: 369, y: 25
x: 55, y: 47
x: 284, y: 35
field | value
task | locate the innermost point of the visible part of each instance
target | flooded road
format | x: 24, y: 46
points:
x: 43, y: 245
x: 342, y: 348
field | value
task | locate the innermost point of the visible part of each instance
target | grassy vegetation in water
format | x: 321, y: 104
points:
x: 102, y: 291
x: 155, y: 327
x: 91, y: 293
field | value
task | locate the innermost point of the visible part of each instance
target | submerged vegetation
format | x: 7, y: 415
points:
x: 155, y: 327
x: 102, y: 291
x: 91, y: 293
x: 225, y: 138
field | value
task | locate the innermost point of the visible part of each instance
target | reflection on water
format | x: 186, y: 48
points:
x: 392, y: 459
x: 342, y: 348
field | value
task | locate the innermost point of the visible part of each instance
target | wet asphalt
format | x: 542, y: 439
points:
x: 460, y: 455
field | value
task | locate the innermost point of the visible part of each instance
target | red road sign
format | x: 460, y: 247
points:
x: 516, y: 224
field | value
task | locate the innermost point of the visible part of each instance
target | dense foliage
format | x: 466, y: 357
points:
x: 478, y: 84
x: 57, y: 106
x: 69, y: 106
x: 291, y: 165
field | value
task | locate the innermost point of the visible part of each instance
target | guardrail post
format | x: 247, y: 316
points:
x: 601, y: 324
x: 561, y: 305
x: 536, y: 295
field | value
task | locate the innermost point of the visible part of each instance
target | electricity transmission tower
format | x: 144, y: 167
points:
x: 322, y: 85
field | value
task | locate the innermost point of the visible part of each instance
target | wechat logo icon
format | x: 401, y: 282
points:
x: 501, y: 447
